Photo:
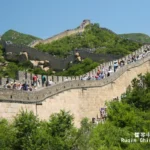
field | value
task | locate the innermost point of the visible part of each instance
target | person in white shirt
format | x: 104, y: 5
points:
x: 50, y: 82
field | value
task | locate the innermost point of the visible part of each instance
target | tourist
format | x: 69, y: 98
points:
x: 50, y: 83
x: 35, y: 78
x: 43, y: 80
x: 115, y: 65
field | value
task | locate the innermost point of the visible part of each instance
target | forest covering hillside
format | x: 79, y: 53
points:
x: 94, y: 37
x: 139, y: 37
x: 18, y: 38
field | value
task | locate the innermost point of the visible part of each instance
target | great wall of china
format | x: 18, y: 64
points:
x: 63, y: 34
x: 81, y: 98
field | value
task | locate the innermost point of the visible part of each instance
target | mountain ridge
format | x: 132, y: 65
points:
x: 15, y: 37
x: 27, y: 39
x: 139, y: 37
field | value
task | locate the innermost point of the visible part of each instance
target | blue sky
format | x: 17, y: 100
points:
x: 44, y: 18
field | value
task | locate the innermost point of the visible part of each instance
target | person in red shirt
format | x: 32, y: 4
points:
x: 98, y: 72
x: 34, y: 80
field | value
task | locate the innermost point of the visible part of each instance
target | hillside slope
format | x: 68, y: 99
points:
x: 18, y: 38
x: 101, y: 40
x: 139, y: 37
x: 63, y: 34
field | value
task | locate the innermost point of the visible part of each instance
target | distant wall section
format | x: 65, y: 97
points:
x: 55, y: 62
x: 63, y: 34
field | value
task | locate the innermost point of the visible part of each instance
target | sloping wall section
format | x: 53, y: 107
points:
x: 81, y: 98
x: 63, y: 34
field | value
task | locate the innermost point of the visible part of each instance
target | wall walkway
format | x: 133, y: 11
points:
x: 82, y: 98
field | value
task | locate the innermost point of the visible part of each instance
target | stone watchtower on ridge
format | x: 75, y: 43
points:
x: 85, y: 23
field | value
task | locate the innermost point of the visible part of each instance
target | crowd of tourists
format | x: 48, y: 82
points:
x: 102, y: 73
x: 35, y: 84
x: 102, y: 118
x: 107, y: 71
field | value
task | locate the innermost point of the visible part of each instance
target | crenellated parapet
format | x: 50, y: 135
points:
x: 81, y: 98
x: 25, y: 76
x: 15, y: 96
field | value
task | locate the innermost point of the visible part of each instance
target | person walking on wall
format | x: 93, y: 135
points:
x: 35, y: 80
x: 43, y: 80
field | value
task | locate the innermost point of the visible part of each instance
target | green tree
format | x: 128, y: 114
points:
x: 79, y: 68
x: 83, y: 136
x: 7, y: 135
x: 26, y: 124
x: 11, y: 70
x: 61, y: 130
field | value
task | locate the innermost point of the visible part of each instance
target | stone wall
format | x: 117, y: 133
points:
x: 82, y: 98
x: 55, y: 62
x: 41, y: 95
x: 61, y: 63
x: 61, y: 35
